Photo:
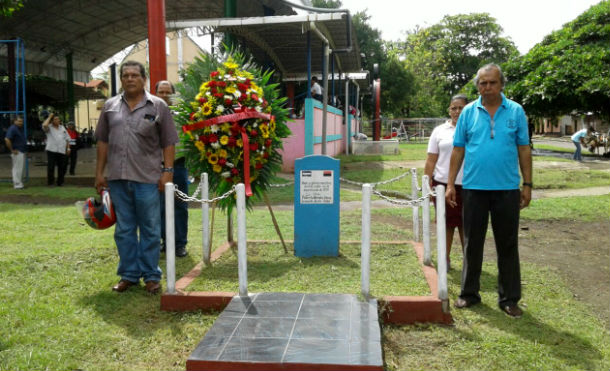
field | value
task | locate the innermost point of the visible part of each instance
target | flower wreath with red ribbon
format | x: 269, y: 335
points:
x: 233, y: 126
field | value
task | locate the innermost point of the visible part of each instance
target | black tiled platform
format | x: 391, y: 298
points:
x: 286, y: 331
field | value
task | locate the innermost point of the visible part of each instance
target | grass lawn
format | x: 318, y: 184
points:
x: 59, y: 313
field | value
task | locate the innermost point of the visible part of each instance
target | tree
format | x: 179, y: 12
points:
x: 327, y: 4
x: 8, y: 7
x: 568, y: 71
x: 445, y: 56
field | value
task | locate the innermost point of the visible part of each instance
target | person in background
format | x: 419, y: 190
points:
x: 440, y: 146
x: 58, y: 146
x: 316, y: 89
x: 164, y: 90
x: 492, y: 142
x: 135, y: 132
x: 17, y: 145
x: 74, y: 146
x: 578, y: 139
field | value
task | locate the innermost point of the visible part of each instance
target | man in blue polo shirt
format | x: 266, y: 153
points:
x: 491, y: 139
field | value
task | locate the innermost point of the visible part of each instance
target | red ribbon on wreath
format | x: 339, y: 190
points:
x: 244, y: 136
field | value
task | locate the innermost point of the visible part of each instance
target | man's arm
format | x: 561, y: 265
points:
x: 45, y: 124
x: 102, y: 158
x: 168, y: 162
x: 455, y: 164
x: 9, y: 145
x: 525, y: 163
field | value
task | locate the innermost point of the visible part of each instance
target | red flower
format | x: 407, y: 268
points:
x: 214, y: 73
x: 222, y: 84
x: 203, y: 138
x: 213, y: 90
x: 234, y: 171
x: 202, y: 100
x: 258, y: 166
x: 192, y: 116
x: 218, y: 95
x: 253, y: 146
x: 213, y: 138
x: 229, y: 180
x: 232, y: 142
x: 235, y: 128
x: 242, y: 87
x: 266, y: 155
x: 253, y: 133
x: 242, y: 98
x: 254, y: 97
x: 268, y: 143
x: 228, y: 102
x: 222, y: 161
x: 212, y: 84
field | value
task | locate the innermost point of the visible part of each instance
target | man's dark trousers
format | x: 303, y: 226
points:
x: 503, y: 206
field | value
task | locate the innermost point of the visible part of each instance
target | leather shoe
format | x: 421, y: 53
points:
x: 181, y: 252
x: 463, y: 303
x: 123, y: 285
x: 512, y: 310
x: 153, y: 287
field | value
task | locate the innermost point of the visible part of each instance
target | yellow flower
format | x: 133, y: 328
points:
x: 222, y: 153
x: 206, y: 109
x: 217, y: 168
x: 200, y: 146
x: 224, y: 140
x: 213, y: 159
x: 240, y: 142
x: 264, y: 131
x: 190, y: 135
x: 272, y: 124
x: 226, y: 127
x: 230, y: 89
x: 230, y: 64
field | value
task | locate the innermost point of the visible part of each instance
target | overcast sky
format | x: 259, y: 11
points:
x: 526, y: 22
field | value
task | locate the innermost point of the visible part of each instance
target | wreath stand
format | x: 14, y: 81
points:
x: 230, y: 241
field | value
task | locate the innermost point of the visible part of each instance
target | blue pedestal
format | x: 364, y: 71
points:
x: 316, y: 206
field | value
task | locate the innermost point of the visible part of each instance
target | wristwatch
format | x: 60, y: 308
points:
x: 167, y: 170
x: 528, y: 185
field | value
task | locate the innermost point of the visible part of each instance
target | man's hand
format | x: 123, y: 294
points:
x: 526, y: 197
x: 100, y: 183
x: 165, y: 178
x: 450, y: 195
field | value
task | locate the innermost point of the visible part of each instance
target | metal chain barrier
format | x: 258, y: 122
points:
x: 395, y: 201
x: 281, y: 185
x: 375, y: 184
x: 184, y: 197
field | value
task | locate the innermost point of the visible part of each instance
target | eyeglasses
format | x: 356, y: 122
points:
x: 492, y: 124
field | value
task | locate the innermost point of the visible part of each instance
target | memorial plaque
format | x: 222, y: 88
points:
x: 316, y: 206
x: 317, y: 186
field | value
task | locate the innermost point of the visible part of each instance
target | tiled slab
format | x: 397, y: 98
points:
x: 283, y: 331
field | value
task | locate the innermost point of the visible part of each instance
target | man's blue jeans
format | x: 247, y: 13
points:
x: 577, y: 154
x: 181, y: 213
x: 137, y: 210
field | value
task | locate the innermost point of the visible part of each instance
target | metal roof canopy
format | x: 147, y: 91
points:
x: 95, y: 30
x: 283, y: 40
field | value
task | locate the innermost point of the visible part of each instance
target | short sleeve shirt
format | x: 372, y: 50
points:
x: 17, y: 137
x: 441, y: 143
x: 491, y: 162
x: 57, y: 139
x: 136, y: 138
x: 579, y: 134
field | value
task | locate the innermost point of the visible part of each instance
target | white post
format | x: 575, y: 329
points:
x: 441, y: 244
x: 414, y: 196
x: 170, y: 238
x: 205, y: 218
x: 426, y: 220
x: 242, y: 262
x: 365, y: 250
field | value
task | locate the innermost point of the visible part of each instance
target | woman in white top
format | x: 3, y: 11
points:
x: 440, y: 146
x: 58, y: 146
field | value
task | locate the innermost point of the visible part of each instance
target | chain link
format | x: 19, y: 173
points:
x: 184, y: 197
x: 281, y: 185
x: 412, y: 203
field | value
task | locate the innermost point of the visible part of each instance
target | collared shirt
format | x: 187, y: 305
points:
x: 136, y: 138
x: 491, y: 159
x: 441, y: 143
x: 17, y: 137
x: 57, y: 139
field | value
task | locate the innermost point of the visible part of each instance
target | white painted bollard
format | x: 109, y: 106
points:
x: 441, y: 244
x: 205, y: 218
x: 242, y: 257
x: 365, y: 250
x: 414, y: 196
x: 170, y: 238
x: 426, y: 220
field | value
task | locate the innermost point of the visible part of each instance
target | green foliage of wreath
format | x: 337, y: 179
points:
x: 211, y: 90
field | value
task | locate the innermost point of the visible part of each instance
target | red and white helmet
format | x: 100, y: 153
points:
x: 99, y: 215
